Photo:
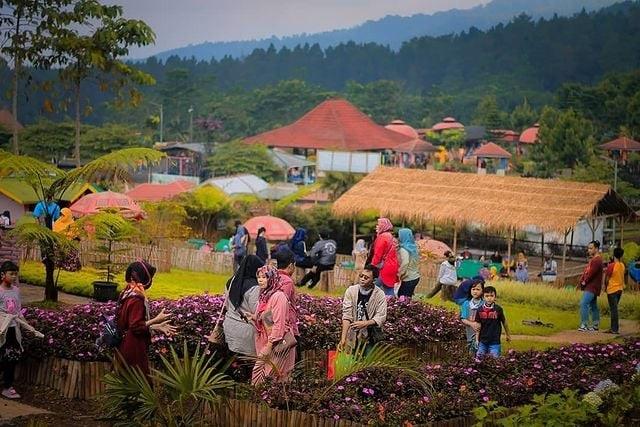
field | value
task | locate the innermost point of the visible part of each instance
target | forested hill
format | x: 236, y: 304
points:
x: 393, y: 30
x: 525, y: 54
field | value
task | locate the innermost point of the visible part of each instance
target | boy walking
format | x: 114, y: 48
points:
x: 491, y: 318
x: 468, y: 310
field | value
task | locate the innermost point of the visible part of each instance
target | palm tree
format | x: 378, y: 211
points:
x: 50, y: 183
x: 337, y: 183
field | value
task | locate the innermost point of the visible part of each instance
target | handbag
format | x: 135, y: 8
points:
x: 288, y: 341
x: 217, y: 335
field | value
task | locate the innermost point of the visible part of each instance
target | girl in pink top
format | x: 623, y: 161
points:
x: 272, y: 320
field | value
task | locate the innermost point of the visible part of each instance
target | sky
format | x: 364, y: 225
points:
x: 178, y: 23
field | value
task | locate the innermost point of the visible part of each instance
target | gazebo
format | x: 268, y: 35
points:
x: 447, y: 123
x: 490, y: 152
x: 335, y: 124
x: 402, y: 128
x: 620, y: 148
x: 414, y: 152
x: 503, y: 204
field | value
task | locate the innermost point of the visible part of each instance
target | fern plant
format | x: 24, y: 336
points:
x: 185, y: 391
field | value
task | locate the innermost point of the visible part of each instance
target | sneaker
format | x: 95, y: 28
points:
x: 11, y: 393
x: 593, y: 329
x: 609, y: 331
x: 583, y: 328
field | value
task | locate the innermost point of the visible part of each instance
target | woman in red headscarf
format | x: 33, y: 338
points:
x: 385, y: 256
x: 274, y: 327
x: 132, y: 317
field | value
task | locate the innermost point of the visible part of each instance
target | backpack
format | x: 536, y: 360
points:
x: 111, y: 336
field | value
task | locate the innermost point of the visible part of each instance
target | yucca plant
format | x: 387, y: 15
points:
x: 186, y: 391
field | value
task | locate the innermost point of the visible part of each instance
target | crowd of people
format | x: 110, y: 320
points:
x: 259, y: 316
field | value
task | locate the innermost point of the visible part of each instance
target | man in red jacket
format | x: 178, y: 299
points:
x: 591, y: 284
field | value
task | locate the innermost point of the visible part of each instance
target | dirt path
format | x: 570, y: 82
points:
x: 627, y: 328
x: 10, y: 409
x: 30, y: 293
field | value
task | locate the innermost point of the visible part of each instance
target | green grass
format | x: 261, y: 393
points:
x: 173, y: 285
x: 525, y: 345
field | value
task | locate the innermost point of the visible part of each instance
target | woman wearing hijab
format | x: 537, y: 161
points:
x: 385, y: 256
x: 273, y: 323
x: 409, y: 271
x: 360, y: 254
x: 64, y: 223
x: 133, y: 320
x: 299, y: 249
x: 242, y: 296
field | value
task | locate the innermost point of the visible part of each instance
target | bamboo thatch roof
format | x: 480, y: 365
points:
x: 494, y: 202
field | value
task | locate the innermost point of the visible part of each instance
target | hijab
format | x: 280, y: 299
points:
x: 243, y: 280
x: 360, y: 246
x: 65, y: 221
x: 139, y: 276
x: 407, y: 242
x: 384, y: 225
x: 299, y: 236
x: 273, y: 285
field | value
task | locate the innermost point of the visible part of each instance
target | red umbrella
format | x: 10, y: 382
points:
x: 435, y: 247
x: 276, y: 228
x: 95, y: 202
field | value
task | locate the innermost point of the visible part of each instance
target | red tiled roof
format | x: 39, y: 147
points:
x: 622, y: 144
x: 492, y: 150
x: 415, y: 146
x: 8, y: 122
x: 507, y: 135
x: 157, y: 192
x: 447, y: 123
x: 403, y: 128
x: 335, y: 124
x: 530, y: 136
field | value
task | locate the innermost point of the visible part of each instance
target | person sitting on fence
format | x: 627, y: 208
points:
x: 549, y: 269
x: 364, y: 307
x: 261, y: 245
x: 409, y: 263
x: 275, y: 342
x: 447, y: 278
x: 323, y: 256
x: 299, y: 249
x: 133, y: 318
x: 522, y: 268
x: 496, y: 258
x: 11, y: 323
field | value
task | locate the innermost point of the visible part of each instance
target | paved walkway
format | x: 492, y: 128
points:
x: 30, y: 293
x: 10, y: 409
x: 627, y: 328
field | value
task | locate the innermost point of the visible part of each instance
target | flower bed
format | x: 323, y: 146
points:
x: 71, y: 333
x: 391, y: 398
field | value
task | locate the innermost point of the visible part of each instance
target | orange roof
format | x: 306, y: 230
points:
x: 334, y: 124
x: 530, y: 136
x: 157, y: 192
x: 491, y: 150
x: 447, y: 123
x: 622, y: 144
x: 8, y: 122
x: 415, y: 146
x: 403, y: 128
x: 507, y: 135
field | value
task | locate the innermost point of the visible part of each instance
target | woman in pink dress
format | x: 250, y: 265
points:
x: 273, y: 321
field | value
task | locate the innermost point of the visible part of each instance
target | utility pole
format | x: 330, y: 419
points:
x: 191, y: 124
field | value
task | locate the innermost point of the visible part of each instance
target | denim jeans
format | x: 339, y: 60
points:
x: 408, y: 288
x: 492, y: 350
x: 387, y: 290
x: 589, y: 302
x: 614, y: 300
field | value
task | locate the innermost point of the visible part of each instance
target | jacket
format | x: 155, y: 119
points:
x: 5, y: 321
x: 376, y: 310
x: 386, y: 253
x: 592, y: 276
x: 323, y: 252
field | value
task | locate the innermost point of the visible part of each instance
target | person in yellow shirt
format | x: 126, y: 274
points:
x: 614, y: 284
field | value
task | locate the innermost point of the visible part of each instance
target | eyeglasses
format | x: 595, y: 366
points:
x: 366, y: 276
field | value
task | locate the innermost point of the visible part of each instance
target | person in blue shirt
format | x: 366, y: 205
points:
x: 463, y: 291
x: 47, y: 211
x: 468, y: 311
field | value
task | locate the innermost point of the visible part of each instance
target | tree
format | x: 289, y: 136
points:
x: 238, y: 157
x: 111, y: 136
x: 94, y: 46
x: 165, y: 220
x: 523, y: 116
x: 205, y: 205
x: 488, y: 114
x: 566, y: 140
x: 48, y: 181
x: 27, y: 30
x: 337, y: 183
x: 450, y: 138
x: 48, y: 141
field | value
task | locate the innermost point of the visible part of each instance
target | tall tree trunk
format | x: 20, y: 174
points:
x: 50, y: 289
x: 76, y: 150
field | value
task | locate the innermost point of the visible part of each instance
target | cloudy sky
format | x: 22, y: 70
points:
x: 181, y: 22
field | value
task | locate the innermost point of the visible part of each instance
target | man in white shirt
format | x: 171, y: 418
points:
x: 447, y: 278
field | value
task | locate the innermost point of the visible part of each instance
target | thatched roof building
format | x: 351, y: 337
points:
x: 494, y: 202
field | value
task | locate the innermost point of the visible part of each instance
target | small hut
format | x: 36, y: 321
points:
x: 492, y: 157
x: 620, y: 148
x: 414, y: 153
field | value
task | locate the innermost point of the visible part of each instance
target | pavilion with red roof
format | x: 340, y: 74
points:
x: 335, y: 124
x: 403, y: 128
x: 158, y: 192
x: 447, y: 123
x: 621, y: 146
x: 490, y: 151
x: 530, y: 135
